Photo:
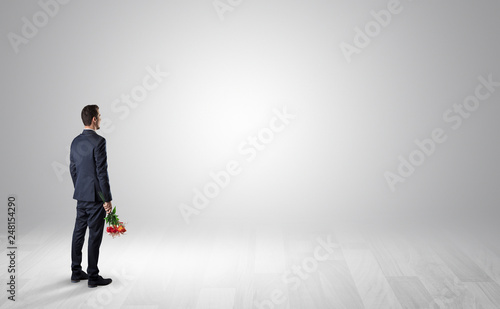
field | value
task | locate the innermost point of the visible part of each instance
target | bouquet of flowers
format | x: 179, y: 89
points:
x: 116, y: 227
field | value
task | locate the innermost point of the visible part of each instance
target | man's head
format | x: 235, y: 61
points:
x: 91, y: 117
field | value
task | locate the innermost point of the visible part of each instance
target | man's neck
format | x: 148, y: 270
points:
x: 91, y: 128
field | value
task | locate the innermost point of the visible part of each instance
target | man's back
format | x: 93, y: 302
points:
x: 89, y: 168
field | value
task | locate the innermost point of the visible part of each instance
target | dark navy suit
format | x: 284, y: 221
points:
x: 89, y: 172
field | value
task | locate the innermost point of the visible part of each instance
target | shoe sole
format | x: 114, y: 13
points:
x: 96, y: 285
x: 76, y: 280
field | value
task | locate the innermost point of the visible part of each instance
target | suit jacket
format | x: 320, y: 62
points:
x: 89, y: 168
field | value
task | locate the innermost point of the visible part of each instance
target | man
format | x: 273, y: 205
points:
x: 89, y: 172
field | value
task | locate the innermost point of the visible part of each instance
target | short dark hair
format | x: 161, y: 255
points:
x: 89, y: 112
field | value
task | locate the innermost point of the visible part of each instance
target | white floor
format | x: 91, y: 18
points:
x: 263, y: 267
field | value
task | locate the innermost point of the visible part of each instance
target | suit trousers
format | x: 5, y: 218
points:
x: 91, y: 215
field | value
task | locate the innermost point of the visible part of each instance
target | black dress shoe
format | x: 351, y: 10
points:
x: 79, y: 276
x: 99, y: 281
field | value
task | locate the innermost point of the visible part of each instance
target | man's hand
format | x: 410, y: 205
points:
x: 108, y: 207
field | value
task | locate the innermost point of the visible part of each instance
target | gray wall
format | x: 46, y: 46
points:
x: 358, y: 104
